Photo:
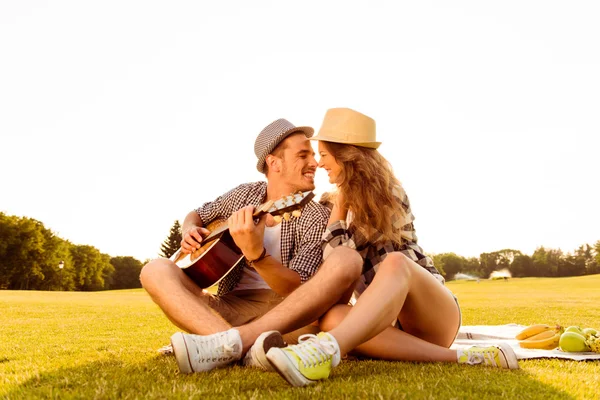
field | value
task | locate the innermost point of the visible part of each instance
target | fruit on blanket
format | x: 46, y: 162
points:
x: 594, y: 343
x: 547, y: 343
x: 574, y: 328
x: 544, y: 335
x: 533, y: 330
x: 573, y: 342
x: 587, y: 332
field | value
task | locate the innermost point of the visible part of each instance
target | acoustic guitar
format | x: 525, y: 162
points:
x: 219, y: 255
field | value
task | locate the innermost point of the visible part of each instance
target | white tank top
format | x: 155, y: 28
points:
x: 272, y: 242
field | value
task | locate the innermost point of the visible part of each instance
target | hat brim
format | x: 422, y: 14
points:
x: 324, y: 138
x: 308, y: 132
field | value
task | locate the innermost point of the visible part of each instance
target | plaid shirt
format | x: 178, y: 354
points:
x: 300, y: 237
x: 343, y: 233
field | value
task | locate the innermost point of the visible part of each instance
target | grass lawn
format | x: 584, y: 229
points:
x: 103, y: 345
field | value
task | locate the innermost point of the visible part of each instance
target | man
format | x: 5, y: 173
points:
x: 279, y: 257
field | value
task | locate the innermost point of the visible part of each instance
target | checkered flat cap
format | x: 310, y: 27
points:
x: 272, y: 135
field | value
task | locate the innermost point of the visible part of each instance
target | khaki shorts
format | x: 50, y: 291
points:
x: 243, y: 306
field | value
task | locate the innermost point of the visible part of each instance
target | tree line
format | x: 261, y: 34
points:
x: 31, y: 257
x: 544, y: 262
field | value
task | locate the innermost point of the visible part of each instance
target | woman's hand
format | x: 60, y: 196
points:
x: 340, y: 201
x: 340, y: 208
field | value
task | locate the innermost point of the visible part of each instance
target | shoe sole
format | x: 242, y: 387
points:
x: 266, y: 341
x: 181, y: 351
x: 511, y: 360
x: 279, y: 361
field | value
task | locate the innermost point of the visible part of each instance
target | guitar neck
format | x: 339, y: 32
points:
x: 270, y: 207
x: 213, y: 234
x: 223, y: 227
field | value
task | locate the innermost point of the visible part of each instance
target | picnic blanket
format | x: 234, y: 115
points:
x: 478, y: 335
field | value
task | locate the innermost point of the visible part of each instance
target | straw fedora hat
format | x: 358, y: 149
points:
x: 344, y: 125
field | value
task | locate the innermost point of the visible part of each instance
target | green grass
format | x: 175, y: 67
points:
x: 103, y: 346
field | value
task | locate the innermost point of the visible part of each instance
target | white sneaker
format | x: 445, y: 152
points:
x: 166, y: 350
x: 257, y: 355
x: 195, y: 353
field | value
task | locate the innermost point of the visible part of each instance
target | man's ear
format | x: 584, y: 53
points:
x: 274, y: 163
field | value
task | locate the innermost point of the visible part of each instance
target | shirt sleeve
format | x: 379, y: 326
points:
x: 225, y: 205
x: 309, y: 254
x: 336, y: 235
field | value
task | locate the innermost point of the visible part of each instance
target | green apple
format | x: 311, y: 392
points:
x: 574, y: 328
x: 573, y: 342
x: 587, y: 332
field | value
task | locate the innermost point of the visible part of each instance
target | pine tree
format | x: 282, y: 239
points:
x: 173, y: 242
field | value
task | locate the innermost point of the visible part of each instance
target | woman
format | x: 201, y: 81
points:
x: 403, y: 310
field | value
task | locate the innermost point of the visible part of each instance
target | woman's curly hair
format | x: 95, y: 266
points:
x: 367, y: 182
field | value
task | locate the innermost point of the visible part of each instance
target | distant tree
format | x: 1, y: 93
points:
x: 594, y: 266
x: 488, y: 263
x: 497, y: 260
x: 127, y: 273
x: 8, y: 244
x: 449, y: 264
x: 23, y: 253
x: 546, y: 261
x: 91, y: 268
x: 471, y: 266
x: 437, y: 262
x: 571, y: 265
x: 173, y: 242
x: 522, y: 265
x: 586, y: 253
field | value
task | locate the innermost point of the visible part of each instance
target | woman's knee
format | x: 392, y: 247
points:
x: 396, y: 263
x: 333, y: 317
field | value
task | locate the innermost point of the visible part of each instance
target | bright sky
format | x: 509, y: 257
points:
x: 119, y: 117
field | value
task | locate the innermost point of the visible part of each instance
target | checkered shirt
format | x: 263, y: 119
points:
x: 340, y: 233
x: 300, y: 237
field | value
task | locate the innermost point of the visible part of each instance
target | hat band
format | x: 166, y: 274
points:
x: 345, y: 137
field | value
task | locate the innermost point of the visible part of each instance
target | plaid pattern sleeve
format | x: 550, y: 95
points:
x: 228, y: 203
x: 301, y: 240
x: 373, y: 253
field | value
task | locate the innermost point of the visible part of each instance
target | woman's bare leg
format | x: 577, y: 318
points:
x: 391, y: 344
x: 401, y: 289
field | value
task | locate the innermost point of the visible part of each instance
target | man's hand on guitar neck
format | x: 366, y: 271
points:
x: 247, y: 235
x: 192, y: 233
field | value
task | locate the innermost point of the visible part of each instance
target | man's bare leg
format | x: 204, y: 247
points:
x: 307, y: 303
x: 180, y: 298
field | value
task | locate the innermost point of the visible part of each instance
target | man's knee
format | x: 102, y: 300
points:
x: 345, y: 263
x: 154, y: 271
